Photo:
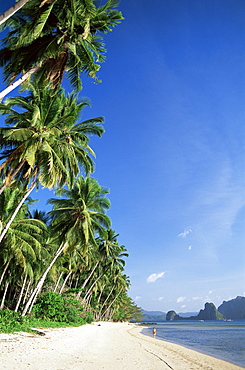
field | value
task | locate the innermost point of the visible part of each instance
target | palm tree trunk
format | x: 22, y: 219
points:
x: 4, y: 294
x: 16, y: 211
x: 5, y: 269
x: 89, y: 299
x: 27, y: 290
x: 111, y: 315
x: 101, y: 292
x: 85, y: 282
x: 15, y: 84
x: 91, y: 287
x: 21, y: 294
x: 112, y: 303
x: 64, y: 283
x: 10, y: 11
x: 40, y: 283
x: 58, y: 281
x: 107, y: 298
x: 76, y: 282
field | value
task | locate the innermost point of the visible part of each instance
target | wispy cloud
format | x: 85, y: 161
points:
x: 160, y: 298
x: 181, y: 299
x: 196, y: 298
x: 185, y: 233
x: 153, y: 277
x: 190, y: 247
x: 137, y: 298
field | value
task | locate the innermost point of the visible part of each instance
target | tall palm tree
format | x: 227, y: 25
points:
x: 122, y: 285
x: 76, y: 220
x: 45, y: 137
x: 113, y: 260
x: 61, y: 35
x: 42, y: 142
x: 80, y: 214
x: 22, y: 245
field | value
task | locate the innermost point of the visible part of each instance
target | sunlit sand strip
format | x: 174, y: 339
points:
x: 108, y: 346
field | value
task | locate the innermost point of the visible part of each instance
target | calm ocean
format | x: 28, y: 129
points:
x: 221, y: 339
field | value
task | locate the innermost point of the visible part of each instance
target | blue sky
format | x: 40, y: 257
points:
x: 173, y: 152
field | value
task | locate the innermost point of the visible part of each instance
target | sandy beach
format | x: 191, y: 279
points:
x: 100, y: 346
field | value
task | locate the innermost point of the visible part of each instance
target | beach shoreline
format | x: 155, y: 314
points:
x: 99, y: 346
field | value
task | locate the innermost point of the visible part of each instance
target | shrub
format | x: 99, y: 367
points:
x: 10, y: 321
x: 52, y: 306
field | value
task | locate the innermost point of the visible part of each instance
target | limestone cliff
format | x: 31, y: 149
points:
x: 233, y: 309
x: 209, y: 313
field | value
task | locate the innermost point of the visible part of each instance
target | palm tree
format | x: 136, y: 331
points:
x: 21, y: 247
x: 42, y: 142
x: 81, y: 213
x: 45, y: 138
x: 112, y: 261
x: 122, y: 285
x: 57, y: 37
x: 76, y: 220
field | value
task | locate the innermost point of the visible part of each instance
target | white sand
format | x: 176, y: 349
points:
x: 110, y: 346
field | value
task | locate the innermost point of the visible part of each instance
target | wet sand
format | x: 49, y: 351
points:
x: 109, y: 346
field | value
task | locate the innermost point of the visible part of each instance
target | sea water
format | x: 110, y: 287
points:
x: 221, y: 339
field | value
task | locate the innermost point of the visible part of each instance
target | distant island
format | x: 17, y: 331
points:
x: 233, y: 309
x: 209, y: 313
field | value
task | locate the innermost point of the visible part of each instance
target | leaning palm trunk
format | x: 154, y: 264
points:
x: 58, y: 281
x: 16, y: 211
x: 101, y: 292
x: 64, y: 283
x: 85, y: 282
x: 104, y: 314
x: 5, y: 269
x: 21, y: 294
x: 4, y: 295
x: 15, y: 84
x: 106, y: 299
x: 91, y: 287
x: 40, y: 283
x: 13, y: 9
x: 27, y: 291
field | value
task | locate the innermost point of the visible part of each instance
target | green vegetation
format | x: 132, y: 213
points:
x: 65, y: 267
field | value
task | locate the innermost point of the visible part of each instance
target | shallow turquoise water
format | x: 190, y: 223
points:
x: 221, y: 339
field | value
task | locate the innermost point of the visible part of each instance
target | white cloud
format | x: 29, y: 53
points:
x: 185, y: 233
x: 190, y: 247
x: 137, y: 298
x: 180, y: 299
x: 160, y: 298
x: 196, y: 298
x: 210, y: 292
x: 183, y: 306
x: 153, y: 277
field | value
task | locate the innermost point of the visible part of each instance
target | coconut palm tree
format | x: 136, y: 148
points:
x: 22, y: 245
x: 119, y: 288
x: 57, y: 37
x: 44, y: 136
x: 42, y: 142
x: 80, y: 214
x: 76, y: 219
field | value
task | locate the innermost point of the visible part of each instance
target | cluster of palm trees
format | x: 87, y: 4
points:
x: 45, y: 144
